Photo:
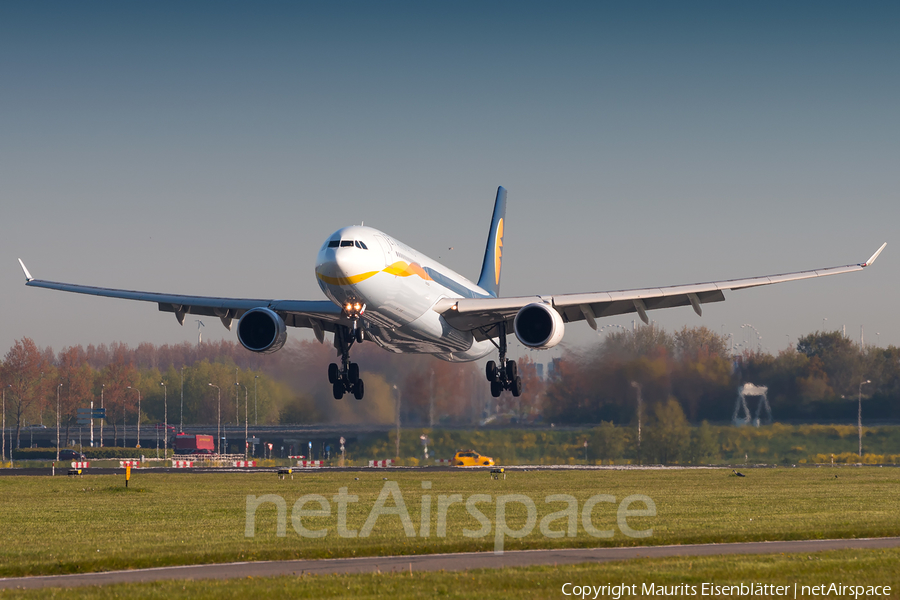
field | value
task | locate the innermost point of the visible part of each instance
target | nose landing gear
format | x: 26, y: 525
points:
x: 504, y: 376
x: 345, y: 379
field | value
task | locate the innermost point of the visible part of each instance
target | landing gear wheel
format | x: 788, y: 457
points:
x: 353, y: 373
x: 338, y: 390
x: 360, y: 336
x: 516, y: 386
x: 490, y: 370
x: 512, y: 370
x: 359, y: 389
x: 496, y: 388
x: 334, y: 373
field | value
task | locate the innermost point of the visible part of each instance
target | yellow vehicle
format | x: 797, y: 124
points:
x: 470, y: 458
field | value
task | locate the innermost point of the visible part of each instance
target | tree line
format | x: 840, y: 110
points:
x: 39, y: 385
x: 287, y: 387
x: 817, y: 380
x: 690, y: 374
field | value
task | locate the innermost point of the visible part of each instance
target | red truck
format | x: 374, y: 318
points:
x: 194, y: 444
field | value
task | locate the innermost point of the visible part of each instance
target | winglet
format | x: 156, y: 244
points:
x: 865, y: 264
x: 28, y: 276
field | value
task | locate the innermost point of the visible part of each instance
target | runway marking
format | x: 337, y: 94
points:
x: 435, y: 562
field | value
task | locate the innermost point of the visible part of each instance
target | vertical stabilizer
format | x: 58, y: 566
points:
x: 493, y: 253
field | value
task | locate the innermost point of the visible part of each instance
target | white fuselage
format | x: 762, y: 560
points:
x: 398, y: 286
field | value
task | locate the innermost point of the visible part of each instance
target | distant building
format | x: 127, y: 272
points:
x: 553, y: 368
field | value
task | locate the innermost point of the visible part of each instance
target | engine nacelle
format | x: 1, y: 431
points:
x: 262, y: 330
x: 538, y: 325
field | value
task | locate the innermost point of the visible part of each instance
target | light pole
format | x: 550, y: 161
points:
x: 255, y: 401
x: 218, y: 421
x: 431, y: 403
x: 57, y: 421
x: 859, y: 416
x: 102, y: 388
x: 138, y: 444
x: 181, y: 419
x: 165, y: 418
x: 397, y: 411
x: 637, y: 386
x: 246, y: 418
x: 3, y: 445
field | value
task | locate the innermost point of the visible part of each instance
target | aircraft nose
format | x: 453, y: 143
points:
x: 347, y: 266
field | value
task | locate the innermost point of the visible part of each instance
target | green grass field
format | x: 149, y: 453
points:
x: 66, y: 525
x: 852, y: 567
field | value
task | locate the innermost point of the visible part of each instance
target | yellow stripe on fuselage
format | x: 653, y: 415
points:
x: 398, y: 269
x: 353, y: 279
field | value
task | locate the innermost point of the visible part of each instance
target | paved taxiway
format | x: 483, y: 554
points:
x: 436, y: 562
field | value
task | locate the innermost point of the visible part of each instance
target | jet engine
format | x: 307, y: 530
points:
x: 262, y: 330
x: 538, y: 325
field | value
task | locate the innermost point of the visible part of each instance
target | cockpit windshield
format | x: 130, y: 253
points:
x: 347, y: 244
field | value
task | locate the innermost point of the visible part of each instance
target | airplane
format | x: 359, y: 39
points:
x: 381, y: 290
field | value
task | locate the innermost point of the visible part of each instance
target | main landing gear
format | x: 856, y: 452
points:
x: 345, y: 379
x: 504, y: 376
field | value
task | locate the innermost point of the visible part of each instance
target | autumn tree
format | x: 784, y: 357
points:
x: 648, y: 340
x: 23, y: 367
x: 702, y: 375
x: 77, y: 379
x: 840, y: 358
x: 116, y: 378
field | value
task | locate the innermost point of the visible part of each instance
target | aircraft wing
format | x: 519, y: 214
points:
x: 482, y: 315
x: 320, y: 315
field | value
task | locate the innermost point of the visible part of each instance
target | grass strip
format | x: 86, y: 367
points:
x: 848, y: 567
x: 72, y: 525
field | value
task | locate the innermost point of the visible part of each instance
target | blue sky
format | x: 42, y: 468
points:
x: 210, y: 148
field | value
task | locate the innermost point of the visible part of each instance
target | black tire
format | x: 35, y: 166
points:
x: 512, y: 370
x: 353, y: 373
x: 360, y: 336
x: 359, y: 389
x: 338, y: 390
x: 496, y: 388
x: 490, y: 370
x: 516, y: 387
x: 334, y: 374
